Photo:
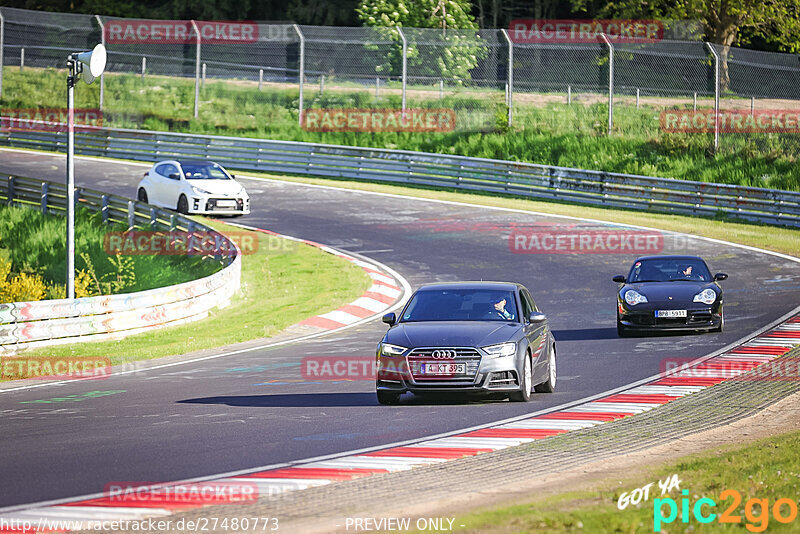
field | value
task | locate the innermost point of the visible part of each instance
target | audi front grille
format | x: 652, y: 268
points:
x: 467, y: 355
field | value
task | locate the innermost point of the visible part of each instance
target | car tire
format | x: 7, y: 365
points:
x: 622, y: 330
x: 524, y: 393
x: 721, y: 324
x: 183, y: 205
x: 549, y: 385
x: 141, y: 195
x: 388, y: 398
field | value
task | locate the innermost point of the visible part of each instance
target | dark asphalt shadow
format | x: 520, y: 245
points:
x: 585, y: 334
x: 293, y: 400
x: 594, y: 334
x: 344, y: 400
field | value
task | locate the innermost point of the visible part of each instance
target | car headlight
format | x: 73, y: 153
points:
x: 392, y: 350
x: 503, y: 349
x: 198, y: 191
x: 634, y: 297
x: 706, y: 296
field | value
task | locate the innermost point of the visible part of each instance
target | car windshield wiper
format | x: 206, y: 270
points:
x: 641, y: 281
x: 684, y: 280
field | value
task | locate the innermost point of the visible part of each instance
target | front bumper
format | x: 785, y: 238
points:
x: 216, y: 205
x: 485, y: 375
x: 696, y: 319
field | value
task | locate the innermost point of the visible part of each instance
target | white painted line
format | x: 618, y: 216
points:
x: 788, y: 328
x: 87, y: 512
x: 475, y: 443
x: 349, y: 462
x: 270, y: 485
x: 365, y: 265
x: 733, y: 358
x: 384, y: 290
x: 783, y: 341
x: 410, y: 460
x: 340, y: 317
x: 677, y: 391
x: 117, y: 510
x: 381, y: 278
x: 615, y: 407
x: 369, y: 304
x: 551, y: 424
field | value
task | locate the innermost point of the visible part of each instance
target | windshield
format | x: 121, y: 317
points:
x: 669, y: 270
x: 461, y: 305
x: 204, y: 171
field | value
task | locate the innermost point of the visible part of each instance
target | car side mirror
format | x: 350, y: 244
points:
x: 620, y: 279
x: 175, y: 176
x: 720, y: 276
x: 233, y: 176
x: 537, y: 317
x: 390, y: 319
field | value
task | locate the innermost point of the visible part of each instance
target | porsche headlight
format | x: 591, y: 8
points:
x: 503, y: 349
x: 706, y: 296
x: 198, y: 191
x: 392, y: 350
x: 634, y: 297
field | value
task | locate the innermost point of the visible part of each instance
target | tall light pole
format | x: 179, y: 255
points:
x: 96, y: 61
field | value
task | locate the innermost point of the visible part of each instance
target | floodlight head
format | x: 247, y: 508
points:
x: 95, y: 60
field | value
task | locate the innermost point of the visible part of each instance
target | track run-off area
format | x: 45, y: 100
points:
x: 254, y: 409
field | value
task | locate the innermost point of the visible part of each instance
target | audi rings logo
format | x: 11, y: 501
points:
x: 444, y: 354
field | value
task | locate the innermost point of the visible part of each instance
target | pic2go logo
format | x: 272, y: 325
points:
x: 756, y: 511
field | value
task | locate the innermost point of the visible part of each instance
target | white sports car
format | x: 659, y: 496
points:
x: 193, y: 186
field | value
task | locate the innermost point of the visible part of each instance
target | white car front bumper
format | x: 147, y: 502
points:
x: 219, y: 205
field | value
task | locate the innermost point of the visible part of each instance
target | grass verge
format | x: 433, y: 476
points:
x: 545, y: 131
x: 283, y: 282
x: 761, y: 473
x: 35, y: 244
x: 776, y: 239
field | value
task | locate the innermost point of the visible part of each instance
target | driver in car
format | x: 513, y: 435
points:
x: 686, y: 272
x: 500, y: 307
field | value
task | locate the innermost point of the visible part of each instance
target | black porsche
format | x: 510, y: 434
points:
x: 483, y: 337
x: 669, y: 293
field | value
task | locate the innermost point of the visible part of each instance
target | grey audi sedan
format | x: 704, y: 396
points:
x: 482, y: 337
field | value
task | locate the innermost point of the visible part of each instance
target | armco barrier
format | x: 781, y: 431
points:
x: 50, y: 322
x: 441, y: 170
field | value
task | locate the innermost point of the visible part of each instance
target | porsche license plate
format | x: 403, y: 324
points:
x: 669, y: 314
x: 443, y: 368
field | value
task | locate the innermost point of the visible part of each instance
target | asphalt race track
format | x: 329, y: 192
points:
x: 254, y: 409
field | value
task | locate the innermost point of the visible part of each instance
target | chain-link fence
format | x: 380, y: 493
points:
x: 283, y: 80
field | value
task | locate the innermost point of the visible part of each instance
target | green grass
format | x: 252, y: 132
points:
x: 283, y: 282
x: 546, y: 133
x: 768, y: 469
x: 36, y: 243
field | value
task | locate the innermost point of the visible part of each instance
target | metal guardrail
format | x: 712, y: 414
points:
x: 597, y: 188
x: 49, y: 322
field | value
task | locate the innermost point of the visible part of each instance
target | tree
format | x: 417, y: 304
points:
x: 449, y: 53
x: 725, y: 22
